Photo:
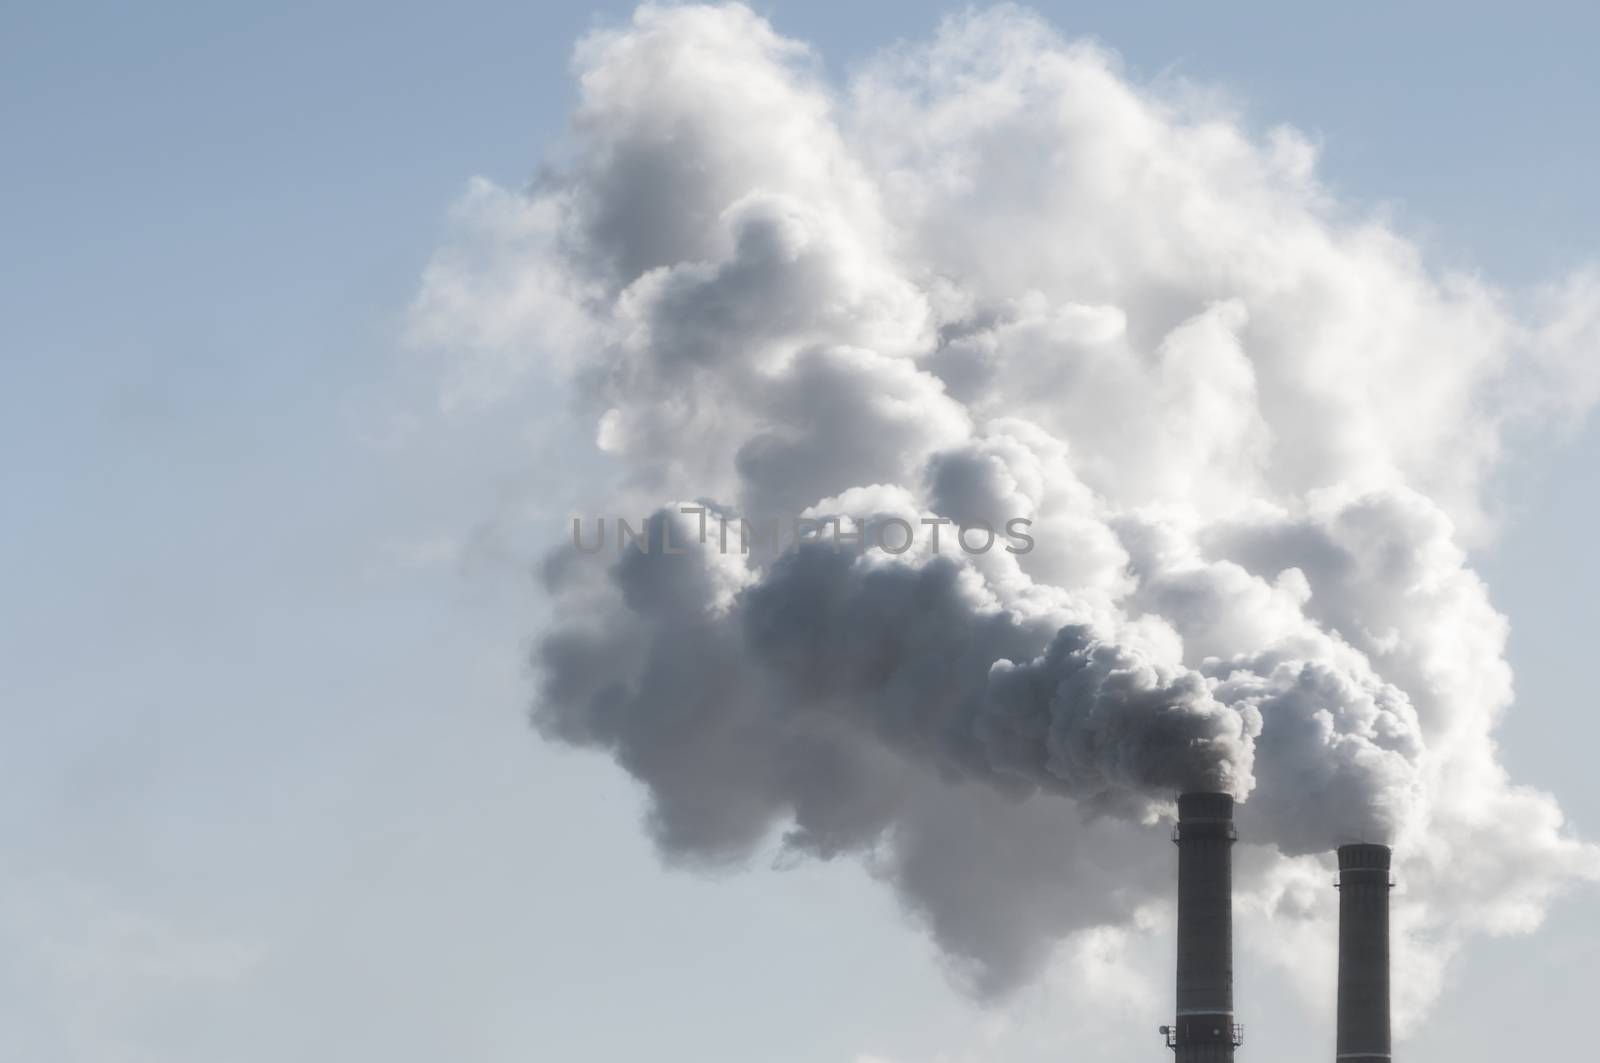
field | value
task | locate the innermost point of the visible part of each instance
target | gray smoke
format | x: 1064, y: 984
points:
x: 991, y: 279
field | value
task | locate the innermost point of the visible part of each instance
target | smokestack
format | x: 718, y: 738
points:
x: 1205, y: 1031
x: 1363, y: 954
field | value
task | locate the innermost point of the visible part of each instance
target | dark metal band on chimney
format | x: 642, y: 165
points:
x: 1363, y: 954
x: 1204, y: 1031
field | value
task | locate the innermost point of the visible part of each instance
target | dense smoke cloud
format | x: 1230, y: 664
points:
x: 991, y: 279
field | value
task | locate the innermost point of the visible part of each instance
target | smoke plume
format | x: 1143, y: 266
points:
x: 991, y: 279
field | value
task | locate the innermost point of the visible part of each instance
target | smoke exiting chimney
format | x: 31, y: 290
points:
x: 1204, y: 1031
x: 1363, y: 954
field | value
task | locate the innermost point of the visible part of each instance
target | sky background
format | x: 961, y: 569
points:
x: 267, y: 792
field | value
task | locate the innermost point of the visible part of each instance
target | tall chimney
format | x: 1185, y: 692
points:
x: 1204, y: 1031
x: 1363, y: 954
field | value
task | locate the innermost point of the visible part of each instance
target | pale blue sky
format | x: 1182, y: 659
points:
x: 266, y: 792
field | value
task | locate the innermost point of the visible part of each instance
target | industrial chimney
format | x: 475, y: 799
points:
x: 1363, y: 954
x: 1205, y: 1031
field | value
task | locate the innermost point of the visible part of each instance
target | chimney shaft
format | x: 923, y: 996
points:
x: 1204, y: 1031
x: 1363, y: 954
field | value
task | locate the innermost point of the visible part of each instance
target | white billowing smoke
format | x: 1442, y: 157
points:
x: 991, y: 279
